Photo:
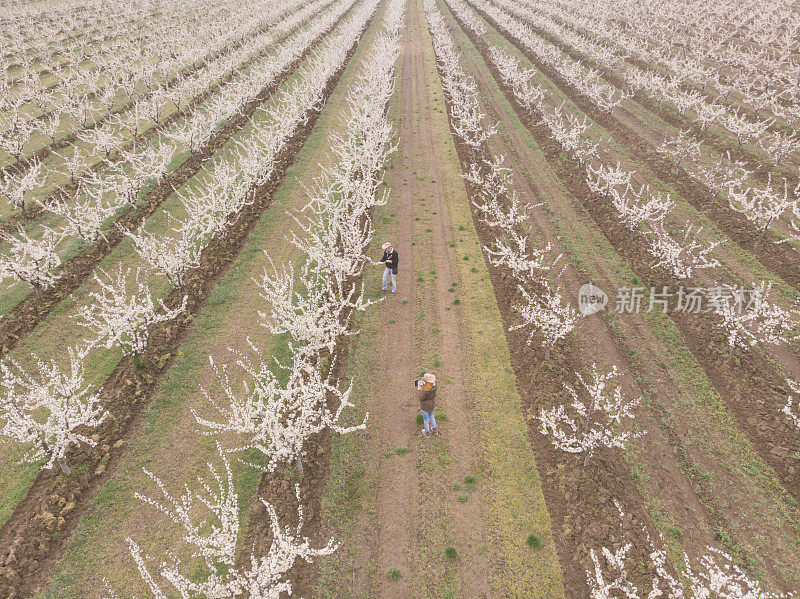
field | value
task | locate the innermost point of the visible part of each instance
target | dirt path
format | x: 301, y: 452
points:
x: 410, y: 503
x: 413, y: 497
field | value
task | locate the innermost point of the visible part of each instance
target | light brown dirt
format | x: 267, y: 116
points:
x: 413, y: 503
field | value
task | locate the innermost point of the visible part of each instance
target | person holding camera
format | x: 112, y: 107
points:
x: 427, y: 402
x: 390, y: 260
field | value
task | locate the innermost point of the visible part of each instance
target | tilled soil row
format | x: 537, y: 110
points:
x: 747, y: 383
x: 67, y: 38
x: 644, y: 66
x: 277, y: 488
x: 26, y: 315
x: 672, y: 431
x: 65, y: 191
x: 782, y: 259
x: 47, y: 150
x: 719, y: 141
x: 580, y: 499
x: 36, y: 535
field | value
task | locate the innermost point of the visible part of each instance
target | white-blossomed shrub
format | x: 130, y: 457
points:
x: 122, y: 311
x: 49, y: 408
x: 792, y: 413
x: 714, y: 574
x: 680, y: 254
x: 277, y: 418
x: 212, y: 529
x: 32, y: 261
x: 548, y: 314
x: 754, y: 320
x: 599, y: 420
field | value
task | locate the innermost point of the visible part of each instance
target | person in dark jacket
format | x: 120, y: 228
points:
x: 427, y: 402
x: 390, y: 260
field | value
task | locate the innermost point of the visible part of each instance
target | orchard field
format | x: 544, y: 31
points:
x: 205, y: 393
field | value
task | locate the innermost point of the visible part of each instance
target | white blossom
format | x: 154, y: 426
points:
x: 547, y: 313
x: 598, y: 418
x: 679, y: 148
x: 121, y: 316
x: 680, y: 255
x: 753, y: 322
x: 16, y: 187
x: 172, y: 255
x: 49, y: 408
x: 277, y: 419
x: 787, y: 409
x: 212, y: 529
x: 762, y: 205
x: 32, y: 261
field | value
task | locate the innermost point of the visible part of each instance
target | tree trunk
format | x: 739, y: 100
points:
x: 299, y: 466
x: 546, y: 353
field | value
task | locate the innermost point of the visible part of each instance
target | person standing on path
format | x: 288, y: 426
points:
x: 427, y: 402
x: 389, y: 259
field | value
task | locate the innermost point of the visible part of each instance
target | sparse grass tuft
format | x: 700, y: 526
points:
x: 463, y: 498
x: 533, y: 541
x: 402, y: 450
x: 450, y: 552
x: 394, y: 574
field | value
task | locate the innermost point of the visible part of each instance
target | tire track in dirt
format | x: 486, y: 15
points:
x: 411, y: 502
x: 26, y: 315
x: 29, y: 549
x: 412, y: 513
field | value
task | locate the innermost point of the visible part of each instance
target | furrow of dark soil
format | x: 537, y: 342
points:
x: 644, y: 66
x: 278, y: 489
x: 782, y: 259
x: 69, y: 139
x: 747, y: 383
x: 36, y: 535
x: 682, y: 457
x: 26, y: 315
x: 20, y: 218
x: 720, y: 142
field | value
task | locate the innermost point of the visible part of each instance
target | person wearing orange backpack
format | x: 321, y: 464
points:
x: 427, y: 402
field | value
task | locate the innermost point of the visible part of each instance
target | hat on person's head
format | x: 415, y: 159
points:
x: 429, y: 378
x: 386, y: 245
